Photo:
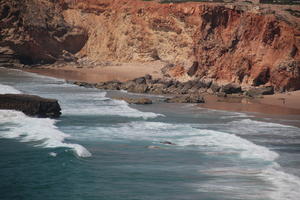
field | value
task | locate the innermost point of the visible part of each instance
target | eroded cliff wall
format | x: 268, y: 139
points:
x: 251, y: 45
x: 34, y: 32
x: 247, y: 45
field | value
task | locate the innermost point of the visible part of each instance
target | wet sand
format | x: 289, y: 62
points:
x: 278, y: 104
x: 269, y: 104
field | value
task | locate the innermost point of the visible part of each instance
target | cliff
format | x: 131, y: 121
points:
x: 252, y: 45
x: 34, y: 32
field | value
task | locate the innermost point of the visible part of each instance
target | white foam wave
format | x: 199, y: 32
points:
x: 52, y: 154
x: 273, y: 131
x: 260, y: 124
x: 27, y: 129
x: 103, y: 106
x: 220, y: 141
x: 286, y: 185
x: 7, y: 89
x: 186, y: 135
x: 276, y: 185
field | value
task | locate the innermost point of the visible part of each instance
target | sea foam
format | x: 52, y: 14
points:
x: 286, y: 185
x: 225, y: 142
x: 7, y: 89
x: 26, y: 129
x: 277, y: 184
x: 186, y: 135
x: 99, y: 104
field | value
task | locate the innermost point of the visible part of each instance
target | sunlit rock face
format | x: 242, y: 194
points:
x: 249, y: 45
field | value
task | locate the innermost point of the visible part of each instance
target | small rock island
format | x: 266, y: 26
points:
x: 31, y: 105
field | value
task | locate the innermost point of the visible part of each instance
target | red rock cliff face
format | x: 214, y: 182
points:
x: 223, y: 42
x: 228, y: 44
x: 34, y: 31
x: 247, y: 48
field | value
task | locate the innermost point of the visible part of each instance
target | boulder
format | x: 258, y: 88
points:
x: 221, y: 94
x: 215, y: 88
x: 157, y: 88
x: 143, y: 101
x: 84, y: 84
x: 258, y: 91
x: 148, y: 77
x: 185, y: 99
x: 30, y: 105
x: 187, y: 85
x: 128, y: 84
x: 168, y: 84
x: 100, y: 85
x: 112, y: 85
x: 204, y: 83
x: 168, y: 143
x: 138, y: 88
x: 231, y: 88
x: 141, y: 80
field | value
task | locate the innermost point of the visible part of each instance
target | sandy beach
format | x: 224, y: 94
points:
x: 100, y: 73
x: 277, y: 104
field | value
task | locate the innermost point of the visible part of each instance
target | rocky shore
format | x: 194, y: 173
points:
x: 180, y: 92
x: 192, y: 49
x: 30, y: 105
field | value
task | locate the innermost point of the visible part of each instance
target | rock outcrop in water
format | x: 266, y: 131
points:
x: 141, y: 101
x: 251, y: 45
x: 30, y: 105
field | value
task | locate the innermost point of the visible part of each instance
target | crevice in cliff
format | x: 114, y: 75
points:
x: 272, y: 30
x: 213, y: 18
x: 262, y: 78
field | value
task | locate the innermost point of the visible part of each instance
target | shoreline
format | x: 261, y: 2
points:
x: 276, y: 104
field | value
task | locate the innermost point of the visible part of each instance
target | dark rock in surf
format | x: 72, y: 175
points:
x: 30, y: 105
x: 83, y: 84
x: 109, y: 85
x: 168, y: 143
x: 138, y: 88
x: 143, y: 101
x: 186, y: 99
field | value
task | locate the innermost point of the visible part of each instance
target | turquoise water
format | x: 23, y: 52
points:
x: 105, y: 149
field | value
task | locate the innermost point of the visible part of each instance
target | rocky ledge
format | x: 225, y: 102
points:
x: 30, y: 105
x: 182, y: 92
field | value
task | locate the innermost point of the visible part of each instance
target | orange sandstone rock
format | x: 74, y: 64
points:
x: 251, y: 45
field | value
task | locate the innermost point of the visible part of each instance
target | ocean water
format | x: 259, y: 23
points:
x: 104, y: 149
